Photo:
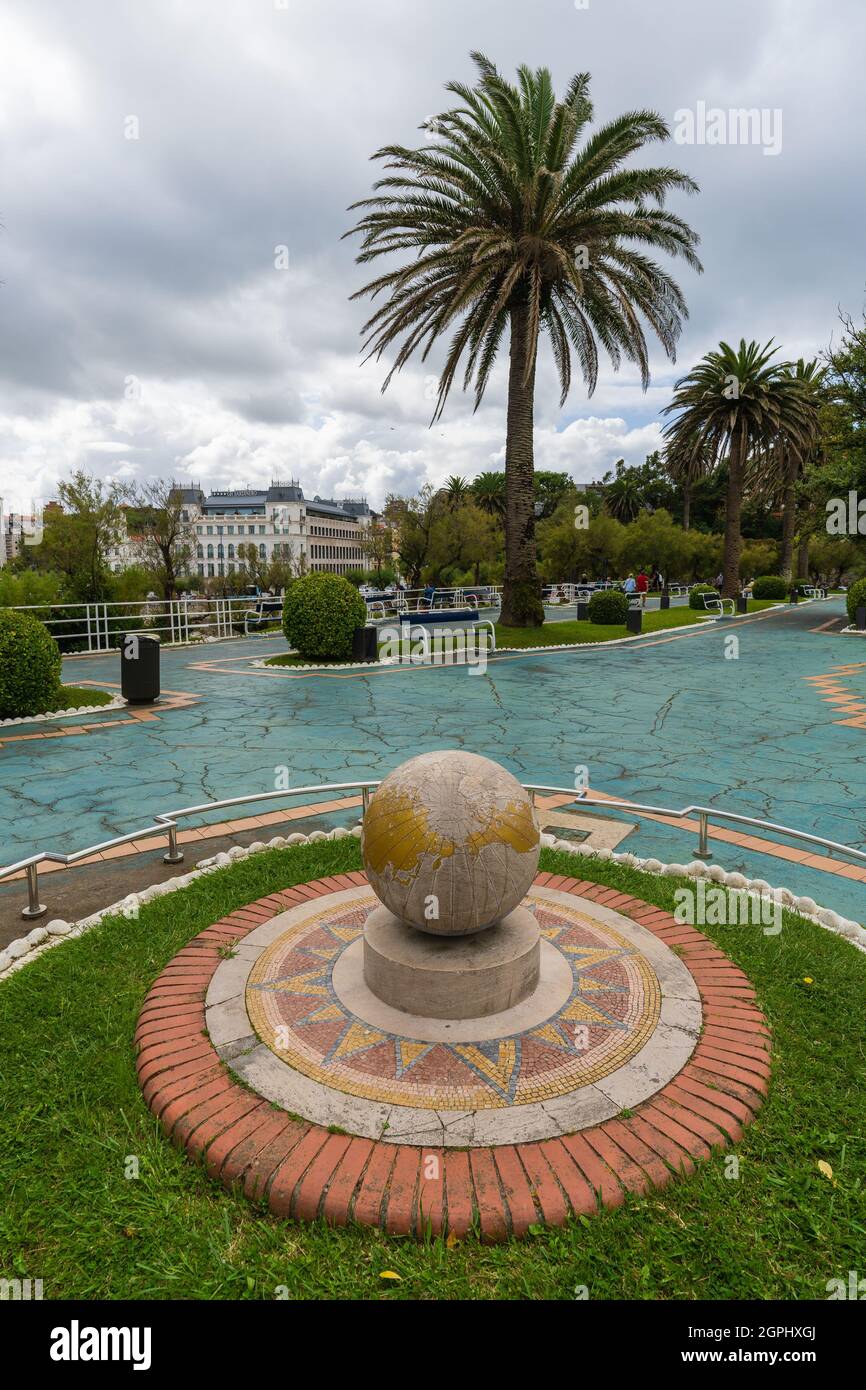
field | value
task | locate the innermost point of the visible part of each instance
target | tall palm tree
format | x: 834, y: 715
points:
x: 793, y: 458
x: 488, y: 489
x: 455, y: 492
x: 513, y: 220
x: 732, y: 406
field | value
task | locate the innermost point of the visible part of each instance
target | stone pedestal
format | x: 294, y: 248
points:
x: 452, y: 977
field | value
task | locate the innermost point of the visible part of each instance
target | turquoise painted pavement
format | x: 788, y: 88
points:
x: 665, y: 721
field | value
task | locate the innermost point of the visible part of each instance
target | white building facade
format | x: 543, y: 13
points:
x: 322, y: 534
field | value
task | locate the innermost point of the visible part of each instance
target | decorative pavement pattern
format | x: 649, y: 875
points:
x: 612, y: 1010
x: 305, y: 1172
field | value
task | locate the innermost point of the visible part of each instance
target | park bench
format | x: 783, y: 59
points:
x: 463, y: 619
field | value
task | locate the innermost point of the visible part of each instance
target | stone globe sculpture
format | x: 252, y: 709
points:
x: 450, y: 843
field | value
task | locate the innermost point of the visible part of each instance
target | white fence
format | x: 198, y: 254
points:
x: 98, y: 627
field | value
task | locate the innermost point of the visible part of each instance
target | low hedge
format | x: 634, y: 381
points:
x: 770, y: 586
x: 29, y: 666
x: 320, y: 614
x: 856, y: 599
x: 696, y: 596
x: 608, y: 606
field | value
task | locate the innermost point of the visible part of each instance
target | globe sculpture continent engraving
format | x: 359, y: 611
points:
x: 450, y: 843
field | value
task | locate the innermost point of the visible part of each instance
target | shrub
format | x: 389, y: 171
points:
x: 320, y: 613
x: 696, y: 596
x: 608, y: 606
x: 856, y: 599
x: 770, y: 586
x: 29, y: 666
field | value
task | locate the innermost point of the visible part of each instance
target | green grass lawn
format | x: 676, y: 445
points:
x: 73, y: 1115
x: 73, y: 697
x: 555, y: 633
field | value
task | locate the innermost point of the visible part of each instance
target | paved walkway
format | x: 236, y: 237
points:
x: 777, y: 733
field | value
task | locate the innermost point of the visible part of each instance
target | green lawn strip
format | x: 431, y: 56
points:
x: 293, y: 659
x: 558, y: 633
x: 71, y: 697
x: 73, y: 1114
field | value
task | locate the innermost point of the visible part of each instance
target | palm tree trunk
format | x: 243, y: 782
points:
x: 733, y: 510
x: 789, y: 517
x: 521, y: 591
x: 687, y: 505
x: 803, y: 558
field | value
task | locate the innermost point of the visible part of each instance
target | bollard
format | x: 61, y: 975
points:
x: 365, y: 644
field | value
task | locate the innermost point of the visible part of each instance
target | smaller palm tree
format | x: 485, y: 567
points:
x: 793, y: 456
x: 455, y: 492
x: 622, y: 497
x: 488, y: 489
x: 735, y: 406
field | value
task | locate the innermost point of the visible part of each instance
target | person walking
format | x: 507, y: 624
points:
x: 629, y: 586
x: 642, y: 586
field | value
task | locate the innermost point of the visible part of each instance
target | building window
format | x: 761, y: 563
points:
x: 201, y: 570
x: 231, y: 553
x: 220, y: 553
x: 263, y: 552
x: 210, y: 554
x: 199, y: 553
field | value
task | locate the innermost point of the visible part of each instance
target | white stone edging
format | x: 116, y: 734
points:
x: 117, y: 702
x: 25, y: 949
x: 271, y: 665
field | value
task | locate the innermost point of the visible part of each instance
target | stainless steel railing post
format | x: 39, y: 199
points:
x: 34, y: 907
x: 703, y: 850
x: 175, y: 855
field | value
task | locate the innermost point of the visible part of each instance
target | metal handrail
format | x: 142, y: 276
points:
x: 166, y: 822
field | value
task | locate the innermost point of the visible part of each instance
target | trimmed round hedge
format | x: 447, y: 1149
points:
x: 29, y: 666
x: 856, y: 599
x: 696, y: 596
x: 320, y: 614
x: 608, y: 606
x: 770, y: 586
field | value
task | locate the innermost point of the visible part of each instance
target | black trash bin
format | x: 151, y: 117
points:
x: 365, y: 644
x: 860, y: 619
x: 634, y: 621
x: 583, y: 610
x: 665, y: 601
x: 742, y: 603
x: 139, y: 668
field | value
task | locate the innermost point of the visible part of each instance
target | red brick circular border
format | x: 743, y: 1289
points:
x: 304, y: 1171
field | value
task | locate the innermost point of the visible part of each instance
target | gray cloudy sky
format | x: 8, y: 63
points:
x: 145, y: 329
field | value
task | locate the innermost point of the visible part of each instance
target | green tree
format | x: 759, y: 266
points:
x: 736, y: 404
x: 167, y: 538
x: 512, y: 227
x: 80, y: 533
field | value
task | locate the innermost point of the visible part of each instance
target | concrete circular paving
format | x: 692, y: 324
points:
x: 641, y: 1050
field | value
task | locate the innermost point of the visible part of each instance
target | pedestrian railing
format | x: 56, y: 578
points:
x: 99, y: 627
x: 166, y: 823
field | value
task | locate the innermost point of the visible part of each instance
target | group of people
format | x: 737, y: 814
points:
x: 641, y: 584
